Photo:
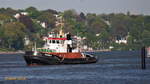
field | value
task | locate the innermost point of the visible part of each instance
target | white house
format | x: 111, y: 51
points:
x: 26, y: 41
x: 17, y: 16
x: 122, y: 40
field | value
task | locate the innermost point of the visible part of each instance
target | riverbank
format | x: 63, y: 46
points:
x: 22, y: 52
x: 102, y: 50
x: 12, y: 52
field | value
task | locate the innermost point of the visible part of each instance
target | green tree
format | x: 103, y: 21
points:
x: 33, y: 12
x: 69, y: 17
x: 69, y: 14
x: 145, y: 38
x: 5, y: 19
x: 13, y: 35
x: 8, y: 11
x: 95, y: 24
x: 48, y: 18
x: 27, y: 21
x: 119, y: 25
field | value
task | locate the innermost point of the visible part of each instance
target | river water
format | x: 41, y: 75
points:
x: 116, y: 67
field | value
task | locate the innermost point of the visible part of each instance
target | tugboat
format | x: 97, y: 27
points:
x: 58, y: 49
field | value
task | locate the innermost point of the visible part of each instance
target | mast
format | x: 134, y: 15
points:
x: 35, y: 49
x: 61, y: 25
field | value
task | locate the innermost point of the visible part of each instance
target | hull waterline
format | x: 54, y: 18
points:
x: 54, y: 60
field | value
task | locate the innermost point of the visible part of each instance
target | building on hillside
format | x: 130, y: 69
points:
x: 26, y: 40
x: 17, y: 16
x: 122, y: 40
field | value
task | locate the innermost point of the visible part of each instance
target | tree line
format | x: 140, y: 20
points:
x: 100, y: 30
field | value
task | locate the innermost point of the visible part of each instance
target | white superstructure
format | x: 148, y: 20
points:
x: 57, y: 43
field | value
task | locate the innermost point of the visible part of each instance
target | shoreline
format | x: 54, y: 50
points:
x: 103, y: 50
x: 11, y: 52
x: 22, y: 52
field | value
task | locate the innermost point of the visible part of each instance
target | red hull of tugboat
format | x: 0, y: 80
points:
x: 68, y: 55
x: 58, y: 58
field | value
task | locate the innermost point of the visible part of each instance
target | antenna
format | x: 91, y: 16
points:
x: 35, y: 50
x: 61, y: 23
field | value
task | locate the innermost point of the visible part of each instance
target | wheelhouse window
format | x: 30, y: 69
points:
x: 50, y: 41
x: 61, y: 41
x: 57, y: 41
x: 53, y: 41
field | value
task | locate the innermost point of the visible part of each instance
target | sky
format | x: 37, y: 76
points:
x: 86, y: 6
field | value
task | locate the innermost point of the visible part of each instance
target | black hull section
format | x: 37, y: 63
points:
x: 54, y: 60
